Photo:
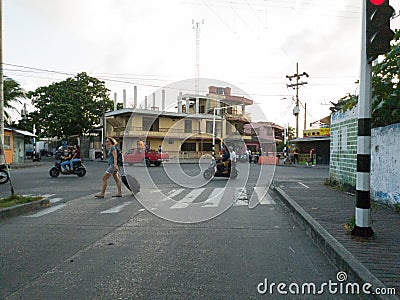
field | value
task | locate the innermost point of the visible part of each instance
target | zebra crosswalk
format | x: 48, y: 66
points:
x: 207, y: 197
x: 177, y: 199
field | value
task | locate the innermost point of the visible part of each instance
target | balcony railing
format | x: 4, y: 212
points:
x: 171, y: 132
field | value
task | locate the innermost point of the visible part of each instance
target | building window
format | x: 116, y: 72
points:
x: 209, y: 127
x: 206, y: 147
x: 188, y: 126
x: 188, y: 147
x: 150, y: 124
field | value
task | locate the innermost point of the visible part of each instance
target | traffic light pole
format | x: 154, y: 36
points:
x: 362, y: 226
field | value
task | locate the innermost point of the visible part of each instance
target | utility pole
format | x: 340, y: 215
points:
x: 305, y: 116
x: 296, y: 85
x: 2, y: 153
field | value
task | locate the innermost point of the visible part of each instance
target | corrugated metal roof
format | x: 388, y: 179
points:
x: 22, y: 132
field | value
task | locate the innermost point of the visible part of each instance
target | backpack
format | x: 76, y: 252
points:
x: 120, y: 160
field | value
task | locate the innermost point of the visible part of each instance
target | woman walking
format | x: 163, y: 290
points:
x: 112, y: 168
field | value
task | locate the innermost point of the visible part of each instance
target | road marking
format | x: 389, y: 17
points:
x: 260, y: 196
x: 48, y: 195
x: 214, y: 198
x: 303, y: 185
x: 189, y: 198
x: 55, y: 200
x: 142, y: 209
x: 174, y: 192
x: 116, y: 209
x: 46, y: 211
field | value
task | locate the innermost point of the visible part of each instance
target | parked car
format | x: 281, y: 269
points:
x: 137, y: 155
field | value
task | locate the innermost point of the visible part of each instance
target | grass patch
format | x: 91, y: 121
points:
x: 16, y: 199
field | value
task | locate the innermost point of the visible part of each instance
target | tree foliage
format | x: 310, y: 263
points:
x: 13, y: 93
x: 385, y: 87
x: 69, y: 107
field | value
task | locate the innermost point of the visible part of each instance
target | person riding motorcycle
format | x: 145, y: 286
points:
x: 66, y: 160
x: 224, y: 163
x: 75, y: 157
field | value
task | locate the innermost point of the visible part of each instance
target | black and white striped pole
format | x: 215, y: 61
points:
x: 362, y: 226
x: 376, y: 37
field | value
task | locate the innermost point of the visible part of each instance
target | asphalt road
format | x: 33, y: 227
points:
x: 114, y: 248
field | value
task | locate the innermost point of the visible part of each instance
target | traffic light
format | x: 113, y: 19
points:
x: 379, y: 34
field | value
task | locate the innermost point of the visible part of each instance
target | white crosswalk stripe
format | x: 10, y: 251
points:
x: 174, y: 193
x: 55, y: 200
x: 214, y: 198
x: 46, y: 211
x: 189, y: 198
x: 116, y: 209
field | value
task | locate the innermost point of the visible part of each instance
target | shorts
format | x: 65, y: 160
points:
x: 110, y: 169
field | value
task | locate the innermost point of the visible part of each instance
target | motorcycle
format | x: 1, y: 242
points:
x: 4, y: 176
x: 217, y: 169
x: 78, y: 168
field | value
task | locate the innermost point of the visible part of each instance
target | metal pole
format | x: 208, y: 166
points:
x: 103, y: 133
x: 2, y: 153
x: 363, y: 201
x: 297, y: 99
x: 213, y: 137
x: 305, y: 116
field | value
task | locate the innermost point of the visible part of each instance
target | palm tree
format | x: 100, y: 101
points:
x: 12, y: 94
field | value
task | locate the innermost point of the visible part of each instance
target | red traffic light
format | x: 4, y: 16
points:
x: 377, y: 2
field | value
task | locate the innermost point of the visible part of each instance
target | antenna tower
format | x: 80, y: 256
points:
x: 196, y: 26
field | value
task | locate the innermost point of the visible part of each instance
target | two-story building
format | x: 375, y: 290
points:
x: 188, y: 131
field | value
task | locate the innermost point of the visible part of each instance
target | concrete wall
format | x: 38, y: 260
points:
x: 385, y: 156
x: 343, y: 148
x: 385, y: 164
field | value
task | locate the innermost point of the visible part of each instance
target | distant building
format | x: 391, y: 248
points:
x: 265, y: 136
x: 317, y: 138
x: 186, y: 132
x: 14, y: 144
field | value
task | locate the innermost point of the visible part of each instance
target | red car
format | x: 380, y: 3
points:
x: 150, y: 157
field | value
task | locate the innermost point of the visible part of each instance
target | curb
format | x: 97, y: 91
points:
x: 335, y: 251
x: 24, y: 166
x: 20, y: 209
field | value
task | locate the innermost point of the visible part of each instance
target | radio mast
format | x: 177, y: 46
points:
x: 196, y: 26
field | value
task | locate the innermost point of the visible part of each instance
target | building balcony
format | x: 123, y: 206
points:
x: 245, y: 117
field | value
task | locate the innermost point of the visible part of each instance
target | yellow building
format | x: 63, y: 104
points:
x: 187, y: 132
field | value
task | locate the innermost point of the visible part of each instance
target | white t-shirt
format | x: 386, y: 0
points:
x: 233, y: 155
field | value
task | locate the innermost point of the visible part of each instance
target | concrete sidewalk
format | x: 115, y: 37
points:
x: 323, y: 212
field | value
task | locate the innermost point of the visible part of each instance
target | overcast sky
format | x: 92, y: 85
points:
x: 251, y: 44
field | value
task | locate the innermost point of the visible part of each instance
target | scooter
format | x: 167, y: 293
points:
x: 217, y: 169
x: 77, y: 169
x: 4, y: 177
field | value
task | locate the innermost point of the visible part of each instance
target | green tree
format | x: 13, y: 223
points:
x: 69, y: 107
x: 291, y: 133
x: 385, y: 87
x: 13, y: 93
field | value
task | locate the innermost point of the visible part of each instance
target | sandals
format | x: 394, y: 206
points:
x: 102, y: 196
